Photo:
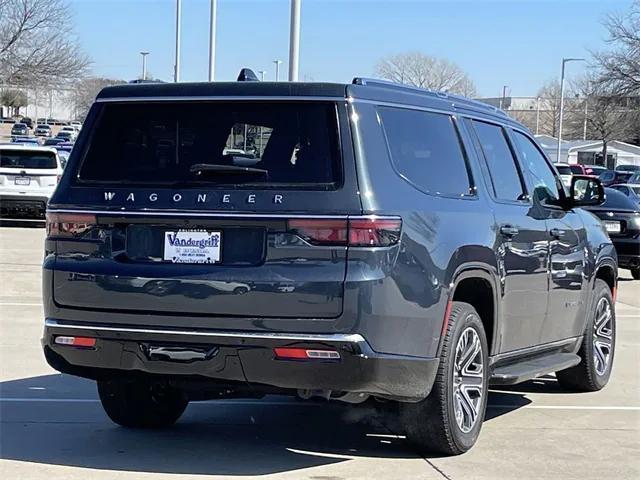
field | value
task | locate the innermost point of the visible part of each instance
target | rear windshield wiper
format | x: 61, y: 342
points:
x: 204, y: 168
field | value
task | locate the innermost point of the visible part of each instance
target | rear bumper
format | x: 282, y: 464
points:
x: 628, y: 251
x: 240, y: 357
x: 23, y: 206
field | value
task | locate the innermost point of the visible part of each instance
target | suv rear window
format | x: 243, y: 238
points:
x: 282, y: 143
x: 27, y: 159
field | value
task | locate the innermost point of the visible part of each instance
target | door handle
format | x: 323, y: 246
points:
x: 557, y: 232
x: 509, y: 230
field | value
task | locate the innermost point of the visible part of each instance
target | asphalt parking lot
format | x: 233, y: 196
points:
x: 52, y: 425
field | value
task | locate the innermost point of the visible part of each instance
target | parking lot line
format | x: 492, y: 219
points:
x: 313, y: 404
x: 17, y: 304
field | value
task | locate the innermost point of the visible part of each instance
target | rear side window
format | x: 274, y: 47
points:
x: 576, y: 169
x: 241, y: 143
x: 426, y: 150
x: 27, y: 159
x: 564, y: 170
x: 505, y: 178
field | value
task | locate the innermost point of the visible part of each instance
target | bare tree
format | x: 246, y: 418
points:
x: 37, y: 45
x: 424, y: 71
x: 14, y: 99
x: 608, y: 117
x: 620, y: 66
x: 549, y: 95
x: 85, y: 90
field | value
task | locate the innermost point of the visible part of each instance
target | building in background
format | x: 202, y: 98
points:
x: 589, y: 152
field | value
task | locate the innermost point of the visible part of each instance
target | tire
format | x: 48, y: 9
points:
x: 594, y: 369
x: 635, y: 273
x: 438, y: 423
x: 140, y: 404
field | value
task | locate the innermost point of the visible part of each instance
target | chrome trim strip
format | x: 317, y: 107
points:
x: 171, y: 213
x: 532, y: 351
x: 332, y: 337
x: 200, y: 98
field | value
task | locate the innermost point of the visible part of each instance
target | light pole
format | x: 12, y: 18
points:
x: 586, y: 115
x: 212, y: 40
x: 262, y: 72
x: 277, y: 62
x: 564, y: 62
x: 144, y: 64
x: 537, y: 115
x: 504, y: 96
x: 176, y: 71
x: 294, y: 40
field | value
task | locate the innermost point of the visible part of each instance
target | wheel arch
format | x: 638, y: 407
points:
x: 477, y: 286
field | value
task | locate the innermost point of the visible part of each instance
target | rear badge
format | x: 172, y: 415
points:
x: 192, y: 246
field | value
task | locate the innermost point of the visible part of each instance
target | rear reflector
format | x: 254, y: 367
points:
x: 355, y: 232
x: 76, y: 341
x: 69, y: 225
x: 289, y: 353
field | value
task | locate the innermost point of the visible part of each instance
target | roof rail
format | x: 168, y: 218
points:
x: 375, y: 82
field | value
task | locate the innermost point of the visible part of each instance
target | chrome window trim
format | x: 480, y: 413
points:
x: 168, y: 213
x: 332, y: 337
x: 221, y: 98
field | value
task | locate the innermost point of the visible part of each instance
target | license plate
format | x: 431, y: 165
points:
x: 23, y: 180
x: 192, y: 246
x: 612, y: 227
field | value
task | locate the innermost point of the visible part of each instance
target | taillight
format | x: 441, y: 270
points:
x: 69, y: 225
x: 374, y: 232
x: 356, y: 232
x: 320, y: 231
x: 58, y: 177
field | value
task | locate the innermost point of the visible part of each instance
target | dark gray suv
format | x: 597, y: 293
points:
x: 344, y: 241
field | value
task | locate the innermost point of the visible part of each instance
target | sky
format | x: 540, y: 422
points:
x: 517, y: 43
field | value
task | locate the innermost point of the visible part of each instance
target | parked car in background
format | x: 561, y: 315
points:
x: 64, y: 146
x: 25, y: 140
x: 634, y: 179
x: 69, y: 133
x: 628, y: 168
x: 43, y: 130
x: 579, y: 169
x: 565, y: 171
x: 76, y: 124
x: 41, y: 120
x: 27, y: 121
x: 63, y: 155
x: 630, y: 190
x: 621, y: 218
x: 19, y: 129
x: 28, y: 177
x: 611, y: 177
x: 291, y: 276
x: 596, y: 170
x: 51, y: 142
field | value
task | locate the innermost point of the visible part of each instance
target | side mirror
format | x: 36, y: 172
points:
x: 585, y: 191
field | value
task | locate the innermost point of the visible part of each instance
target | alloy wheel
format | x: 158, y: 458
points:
x: 602, y: 336
x: 468, y: 379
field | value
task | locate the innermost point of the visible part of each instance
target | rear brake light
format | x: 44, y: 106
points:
x: 356, y: 232
x: 296, y: 353
x: 320, y: 231
x: 374, y: 232
x: 69, y: 225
